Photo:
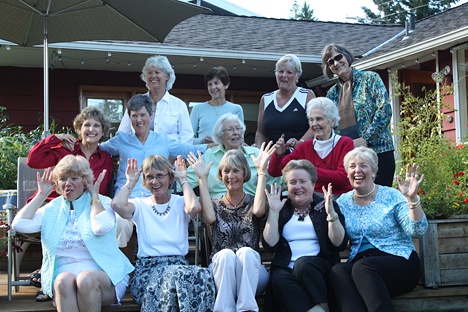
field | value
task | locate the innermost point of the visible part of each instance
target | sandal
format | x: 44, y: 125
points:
x: 41, y: 297
x: 35, y: 278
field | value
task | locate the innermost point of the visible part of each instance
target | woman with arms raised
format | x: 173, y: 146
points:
x: 82, y: 267
x: 163, y: 280
x: 381, y: 222
x: 234, y: 221
x: 306, y: 233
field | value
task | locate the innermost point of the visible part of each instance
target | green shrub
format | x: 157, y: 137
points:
x: 15, y: 143
x: 444, y: 191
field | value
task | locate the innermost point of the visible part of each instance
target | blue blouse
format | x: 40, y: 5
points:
x: 385, y: 223
x: 127, y: 145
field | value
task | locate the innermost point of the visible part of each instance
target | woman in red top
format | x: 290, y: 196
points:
x: 91, y: 126
x: 325, y: 151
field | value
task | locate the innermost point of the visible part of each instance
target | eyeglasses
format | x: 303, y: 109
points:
x: 337, y: 58
x: 158, y: 177
x: 231, y: 130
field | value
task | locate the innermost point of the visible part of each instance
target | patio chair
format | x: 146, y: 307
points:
x: 26, y: 186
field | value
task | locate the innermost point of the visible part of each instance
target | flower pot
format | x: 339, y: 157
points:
x: 444, y: 253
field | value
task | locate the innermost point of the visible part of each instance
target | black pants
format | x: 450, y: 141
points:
x: 302, y: 287
x: 386, y: 169
x: 371, y: 279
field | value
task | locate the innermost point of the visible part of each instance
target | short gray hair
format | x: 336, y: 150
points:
x: 327, y: 106
x: 326, y: 54
x: 159, y: 62
x: 363, y: 153
x: 300, y: 164
x: 218, y: 127
x: 292, y: 61
x: 138, y: 101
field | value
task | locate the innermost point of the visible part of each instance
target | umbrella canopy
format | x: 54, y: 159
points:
x: 32, y: 22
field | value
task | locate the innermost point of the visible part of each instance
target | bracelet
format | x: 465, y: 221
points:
x: 333, y: 219
x: 259, y: 174
x: 128, y: 188
x: 418, y: 201
x: 95, y: 201
x: 415, y: 206
x: 182, y: 184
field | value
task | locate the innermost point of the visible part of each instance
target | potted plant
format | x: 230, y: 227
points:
x: 444, y: 191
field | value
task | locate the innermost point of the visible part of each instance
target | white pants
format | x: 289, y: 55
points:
x: 123, y: 230
x: 238, y: 275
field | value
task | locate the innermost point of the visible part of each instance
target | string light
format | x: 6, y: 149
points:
x: 57, y: 55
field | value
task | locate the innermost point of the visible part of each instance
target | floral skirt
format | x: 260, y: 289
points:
x: 169, y: 284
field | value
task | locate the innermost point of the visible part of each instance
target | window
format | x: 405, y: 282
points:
x: 111, y: 100
x: 461, y: 94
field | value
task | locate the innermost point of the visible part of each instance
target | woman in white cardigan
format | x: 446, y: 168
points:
x: 82, y: 267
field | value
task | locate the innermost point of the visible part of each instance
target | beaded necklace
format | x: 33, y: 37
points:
x: 303, y: 214
x: 365, y: 195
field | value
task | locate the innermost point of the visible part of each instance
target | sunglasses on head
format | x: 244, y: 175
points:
x: 337, y: 58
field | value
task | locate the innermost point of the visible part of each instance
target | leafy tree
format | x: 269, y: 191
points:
x: 305, y: 13
x: 396, y: 11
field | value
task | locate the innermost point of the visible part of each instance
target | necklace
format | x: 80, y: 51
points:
x: 365, y: 195
x: 235, y: 206
x: 303, y: 214
x: 161, y: 213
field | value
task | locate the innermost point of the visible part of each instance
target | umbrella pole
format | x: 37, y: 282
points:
x: 46, y: 79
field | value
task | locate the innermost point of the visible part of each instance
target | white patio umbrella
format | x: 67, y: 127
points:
x: 32, y: 22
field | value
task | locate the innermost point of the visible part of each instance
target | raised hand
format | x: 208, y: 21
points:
x: 410, y: 186
x: 180, y: 171
x: 199, y: 166
x: 261, y: 161
x: 281, y: 146
x: 328, y: 196
x: 45, y: 184
x: 133, y: 172
x: 274, y: 198
x: 93, y: 189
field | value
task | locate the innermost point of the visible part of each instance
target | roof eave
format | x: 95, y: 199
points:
x: 397, y: 57
x: 162, y: 49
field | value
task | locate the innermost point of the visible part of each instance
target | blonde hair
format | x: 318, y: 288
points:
x: 72, y: 165
x: 234, y: 159
x: 157, y: 162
